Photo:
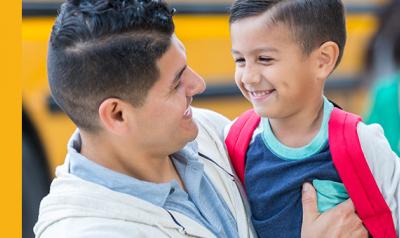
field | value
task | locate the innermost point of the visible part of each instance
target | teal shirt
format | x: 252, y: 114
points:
x: 385, y: 109
x: 329, y: 193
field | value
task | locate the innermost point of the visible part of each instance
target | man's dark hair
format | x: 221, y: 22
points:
x: 313, y: 22
x: 106, y: 48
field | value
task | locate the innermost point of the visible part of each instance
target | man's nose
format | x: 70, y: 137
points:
x: 196, y: 84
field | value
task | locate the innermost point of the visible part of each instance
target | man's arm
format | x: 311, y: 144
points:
x: 92, y: 227
x: 338, y: 222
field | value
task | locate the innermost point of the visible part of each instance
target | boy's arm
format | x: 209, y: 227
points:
x: 384, y: 165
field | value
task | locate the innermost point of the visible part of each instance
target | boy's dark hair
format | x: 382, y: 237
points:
x: 312, y: 22
x: 106, y: 48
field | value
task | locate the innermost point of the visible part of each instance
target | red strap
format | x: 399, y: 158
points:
x: 238, y: 140
x: 353, y: 169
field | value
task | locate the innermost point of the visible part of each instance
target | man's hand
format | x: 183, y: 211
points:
x: 338, y: 222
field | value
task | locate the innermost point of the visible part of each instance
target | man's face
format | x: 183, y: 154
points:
x: 165, y: 120
x: 272, y: 71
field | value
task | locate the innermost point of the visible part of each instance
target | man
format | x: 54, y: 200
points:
x: 139, y: 165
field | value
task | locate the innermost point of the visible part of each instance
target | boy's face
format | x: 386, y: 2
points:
x: 272, y: 71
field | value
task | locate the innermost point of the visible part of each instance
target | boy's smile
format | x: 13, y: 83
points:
x: 260, y: 95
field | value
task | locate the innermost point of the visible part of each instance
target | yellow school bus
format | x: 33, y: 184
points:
x: 203, y: 27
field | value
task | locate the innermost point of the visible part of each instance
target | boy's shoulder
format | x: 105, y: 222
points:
x: 257, y: 123
x: 367, y: 133
x: 372, y: 139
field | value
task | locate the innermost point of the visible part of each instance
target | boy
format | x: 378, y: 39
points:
x: 284, y: 51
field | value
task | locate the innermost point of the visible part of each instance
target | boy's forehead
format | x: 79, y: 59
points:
x: 255, y: 34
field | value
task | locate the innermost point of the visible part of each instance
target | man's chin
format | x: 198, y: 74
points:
x: 192, y: 133
x: 195, y: 133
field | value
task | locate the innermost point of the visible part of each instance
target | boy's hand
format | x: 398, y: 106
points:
x: 340, y: 221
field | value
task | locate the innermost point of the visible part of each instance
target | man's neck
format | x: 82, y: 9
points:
x: 134, y: 162
x: 298, y: 129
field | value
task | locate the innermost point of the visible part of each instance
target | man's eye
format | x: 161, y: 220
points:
x: 239, y: 60
x: 178, y: 85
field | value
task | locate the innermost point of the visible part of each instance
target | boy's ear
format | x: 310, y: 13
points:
x: 327, y: 57
x: 113, y: 115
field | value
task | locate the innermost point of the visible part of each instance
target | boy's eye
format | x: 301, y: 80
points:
x: 265, y: 59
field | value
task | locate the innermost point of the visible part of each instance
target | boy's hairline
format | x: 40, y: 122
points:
x: 270, y: 20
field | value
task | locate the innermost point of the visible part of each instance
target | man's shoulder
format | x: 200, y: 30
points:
x: 209, y: 117
x: 211, y: 122
x: 80, y: 208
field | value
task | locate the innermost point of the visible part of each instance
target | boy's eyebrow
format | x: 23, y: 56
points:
x: 261, y: 49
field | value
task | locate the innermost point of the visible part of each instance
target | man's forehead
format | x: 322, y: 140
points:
x: 179, y: 43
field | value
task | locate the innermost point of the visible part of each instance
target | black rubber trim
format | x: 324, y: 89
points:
x: 29, y: 131
x: 221, y: 91
x: 231, y: 90
x: 40, y: 9
x: 51, y: 9
x: 52, y: 106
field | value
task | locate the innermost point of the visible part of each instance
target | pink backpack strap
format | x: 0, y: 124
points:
x: 353, y: 169
x: 238, y: 140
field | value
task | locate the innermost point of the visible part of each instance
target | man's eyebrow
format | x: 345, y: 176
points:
x: 182, y: 47
x: 178, y: 75
x: 235, y: 51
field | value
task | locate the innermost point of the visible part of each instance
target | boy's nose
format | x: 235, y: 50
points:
x: 250, y: 75
x: 196, y: 83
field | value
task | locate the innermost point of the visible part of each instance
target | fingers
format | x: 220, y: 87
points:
x: 340, y: 221
x: 347, y: 206
x: 361, y: 233
x: 346, y: 221
x: 353, y: 219
x: 344, y: 210
x: 354, y: 227
x: 309, y: 200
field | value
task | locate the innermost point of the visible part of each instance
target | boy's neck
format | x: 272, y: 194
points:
x: 298, y: 130
x: 137, y: 164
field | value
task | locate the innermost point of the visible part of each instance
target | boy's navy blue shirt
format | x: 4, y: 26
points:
x: 274, y: 188
x: 275, y: 173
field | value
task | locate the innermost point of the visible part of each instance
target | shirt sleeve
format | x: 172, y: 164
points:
x: 384, y: 165
x: 92, y: 227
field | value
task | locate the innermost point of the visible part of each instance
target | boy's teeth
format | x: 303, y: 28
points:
x: 187, y: 112
x: 260, y: 93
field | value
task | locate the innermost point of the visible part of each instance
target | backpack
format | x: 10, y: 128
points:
x: 347, y: 157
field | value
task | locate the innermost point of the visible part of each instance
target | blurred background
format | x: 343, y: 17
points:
x: 366, y: 83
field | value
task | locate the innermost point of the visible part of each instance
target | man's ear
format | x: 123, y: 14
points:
x: 328, y: 54
x: 113, y: 115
